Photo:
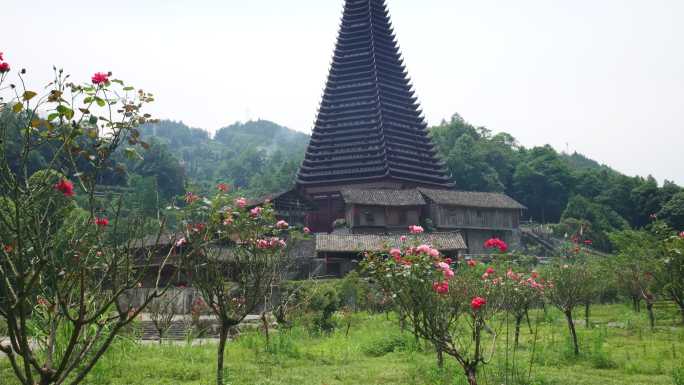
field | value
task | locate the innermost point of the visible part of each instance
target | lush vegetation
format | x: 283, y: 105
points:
x: 556, y: 187
x: 618, y: 349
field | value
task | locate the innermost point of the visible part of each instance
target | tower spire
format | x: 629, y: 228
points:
x: 369, y: 126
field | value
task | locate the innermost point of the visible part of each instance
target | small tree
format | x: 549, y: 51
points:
x: 638, y: 259
x: 522, y: 291
x: 162, y: 310
x: 671, y: 275
x: 449, y: 308
x: 64, y: 281
x: 568, y: 288
x: 234, y: 256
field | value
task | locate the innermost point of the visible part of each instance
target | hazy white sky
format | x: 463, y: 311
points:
x: 603, y: 77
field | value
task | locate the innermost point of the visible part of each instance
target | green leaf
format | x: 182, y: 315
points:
x: 52, y: 116
x: 117, y: 81
x: 28, y: 95
x: 92, y: 120
x: 88, y: 100
x: 100, y: 102
x: 65, y: 111
x: 132, y: 154
x: 17, y: 107
x: 128, y: 88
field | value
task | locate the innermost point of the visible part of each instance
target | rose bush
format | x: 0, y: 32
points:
x: 446, y: 302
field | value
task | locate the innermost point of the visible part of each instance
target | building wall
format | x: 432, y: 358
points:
x: 455, y: 217
x: 381, y: 218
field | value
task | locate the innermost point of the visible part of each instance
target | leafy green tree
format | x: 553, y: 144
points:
x: 542, y: 182
x: 638, y: 259
x: 673, y: 211
x: 159, y: 163
x: 568, y: 288
x: 600, y: 221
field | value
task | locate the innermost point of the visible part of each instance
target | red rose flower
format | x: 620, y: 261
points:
x: 65, y: 187
x: 8, y: 248
x: 681, y: 235
x: 102, y: 222
x: 222, y: 187
x: 282, y: 225
x: 472, y: 263
x: 1, y: 57
x: 496, y: 243
x: 477, y: 303
x: 100, y: 78
x: 588, y: 242
x: 307, y: 230
x: 441, y: 287
x: 4, y: 67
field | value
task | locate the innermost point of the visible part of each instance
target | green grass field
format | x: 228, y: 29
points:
x: 618, y: 349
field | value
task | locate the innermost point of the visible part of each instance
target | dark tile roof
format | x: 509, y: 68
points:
x: 383, y: 197
x: 372, y: 242
x: 471, y: 199
x: 370, y: 126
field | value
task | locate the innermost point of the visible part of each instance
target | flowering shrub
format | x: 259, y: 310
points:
x: 63, y: 280
x: 234, y: 255
x: 440, y: 297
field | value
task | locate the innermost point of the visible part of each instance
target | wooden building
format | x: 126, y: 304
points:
x: 371, y: 169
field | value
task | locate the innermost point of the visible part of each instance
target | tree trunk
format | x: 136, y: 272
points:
x: 573, y: 333
x: 264, y: 322
x: 223, y: 336
x: 651, y: 316
x: 471, y: 373
x: 586, y: 313
x: 440, y: 357
x: 518, y: 321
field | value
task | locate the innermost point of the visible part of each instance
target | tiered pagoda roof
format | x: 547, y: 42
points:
x: 369, y: 126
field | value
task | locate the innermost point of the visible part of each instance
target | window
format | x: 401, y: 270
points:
x: 402, y: 217
x: 369, y: 217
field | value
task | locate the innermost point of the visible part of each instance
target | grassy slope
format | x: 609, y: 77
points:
x: 629, y: 354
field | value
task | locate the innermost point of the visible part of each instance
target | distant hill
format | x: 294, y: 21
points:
x: 257, y: 156
x: 263, y: 134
